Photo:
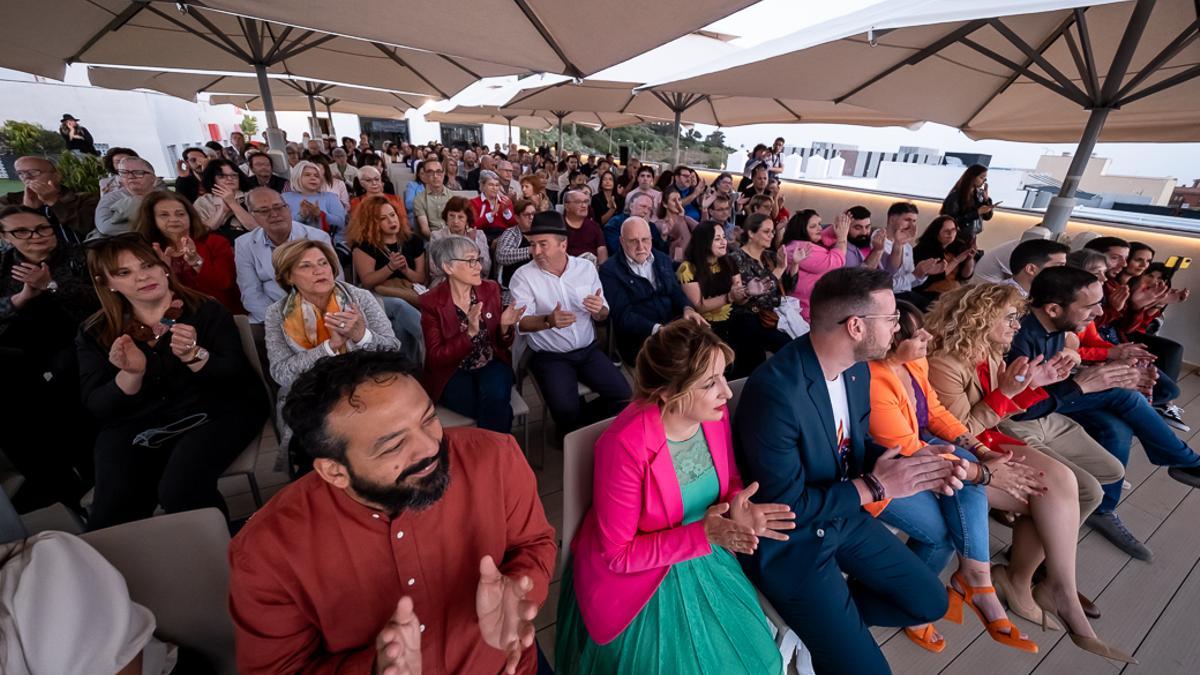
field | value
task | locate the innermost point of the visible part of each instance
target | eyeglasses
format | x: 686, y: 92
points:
x: 227, y: 175
x: 893, y: 319
x: 370, y: 180
x: 470, y: 262
x: 30, y: 174
x: 134, y: 173
x: 270, y: 209
x: 1013, y: 319
x: 41, y: 231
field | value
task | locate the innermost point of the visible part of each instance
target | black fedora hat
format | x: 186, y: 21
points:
x: 548, y: 222
x: 69, y: 116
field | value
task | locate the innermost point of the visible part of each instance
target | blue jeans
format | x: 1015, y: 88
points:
x: 1165, y: 390
x: 938, y: 525
x: 484, y: 394
x: 1113, y: 418
x: 406, y: 323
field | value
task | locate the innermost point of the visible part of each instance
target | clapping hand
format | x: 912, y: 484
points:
x: 1014, y: 378
x: 764, y: 520
x: 126, y: 356
x: 728, y: 533
x: 473, y: 314
x: 929, y: 267
x: 1149, y: 295
x: 1129, y: 350
x: 1118, y: 297
x: 505, y: 615
x: 309, y: 210
x: 594, y: 303
x: 183, y: 341
x: 398, y: 646
x: 511, y: 315
x: 560, y: 318
x: 841, y: 226
x: 1051, y: 371
x: 1177, y: 295
x: 36, y: 277
x: 396, y: 261
x: 345, y: 325
x: 906, y: 476
x: 877, y: 239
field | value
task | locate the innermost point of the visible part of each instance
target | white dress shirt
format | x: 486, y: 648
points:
x: 903, y: 278
x: 539, y: 292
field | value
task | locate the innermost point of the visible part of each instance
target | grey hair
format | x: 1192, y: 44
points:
x: 147, y: 164
x: 486, y: 175
x: 443, y: 251
x: 339, y: 151
x: 640, y: 195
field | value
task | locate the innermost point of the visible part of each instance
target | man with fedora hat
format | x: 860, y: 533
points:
x: 78, y: 138
x: 562, y: 295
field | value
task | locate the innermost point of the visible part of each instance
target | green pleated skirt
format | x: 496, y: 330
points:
x: 704, y: 619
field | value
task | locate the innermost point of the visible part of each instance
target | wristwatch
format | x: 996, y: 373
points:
x: 201, y: 354
x: 52, y: 286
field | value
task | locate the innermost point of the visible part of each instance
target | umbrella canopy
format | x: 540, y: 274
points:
x: 1125, y: 71
x: 535, y: 119
x: 549, y: 36
x: 45, y: 38
x: 287, y: 94
x: 693, y: 108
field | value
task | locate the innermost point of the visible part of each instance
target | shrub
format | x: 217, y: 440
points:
x: 81, y: 173
x: 26, y: 138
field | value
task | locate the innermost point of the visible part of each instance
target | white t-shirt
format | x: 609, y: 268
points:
x: 841, y: 416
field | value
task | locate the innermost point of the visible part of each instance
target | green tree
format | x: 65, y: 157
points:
x: 715, y: 139
x: 249, y: 126
x: 27, y: 138
x: 81, y: 173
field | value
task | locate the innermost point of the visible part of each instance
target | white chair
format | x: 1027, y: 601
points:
x: 175, y: 566
x: 579, y: 448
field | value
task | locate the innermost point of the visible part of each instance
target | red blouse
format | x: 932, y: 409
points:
x: 217, y: 276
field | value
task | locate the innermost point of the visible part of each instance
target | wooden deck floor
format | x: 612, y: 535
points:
x: 1146, y: 607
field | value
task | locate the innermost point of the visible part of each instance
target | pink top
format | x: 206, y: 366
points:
x: 819, y: 261
x: 632, y: 535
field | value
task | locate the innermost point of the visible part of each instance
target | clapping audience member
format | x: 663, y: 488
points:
x: 252, y: 253
x: 428, y: 205
x: 331, y: 181
x: 969, y: 204
x: 906, y: 413
x: 312, y: 205
x: 468, y: 335
x: 1101, y: 398
x: 972, y: 328
x: 674, y: 225
x: 712, y: 285
x: 492, y: 209
x: 812, y: 452
x: 388, y: 484
x: 766, y: 279
x: 320, y: 316
x: 191, y: 173
x: 222, y: 207
x: 390, y: 260
x: 642, y: 290
x: 72, y: 214
x: 584, y: 236
x: 460, y: 222
x: 653, y: 541
x: 562, y: 296
x: 863, y: 248
x: 200, y: 260
x: 909, y: 271
x: 802, y: 241
x: 606, y: 201
x: 45, y: 293
x: 942, y: 257
x: 372, y: 182
x: 721, y: 191
x: 117, y: 211
x: 162, y: 369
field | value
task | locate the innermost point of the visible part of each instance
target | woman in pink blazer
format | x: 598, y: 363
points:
x: 653, y: 586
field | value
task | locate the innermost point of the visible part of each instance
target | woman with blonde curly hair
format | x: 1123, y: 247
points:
x: 972, y: 328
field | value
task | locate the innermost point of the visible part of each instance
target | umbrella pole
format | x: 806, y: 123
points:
x: 273, y: 135
x: 315, y: 125
x: 1059, y: 211
x: 329, y: 111
x: 560, y: 139
x: 678, y: 116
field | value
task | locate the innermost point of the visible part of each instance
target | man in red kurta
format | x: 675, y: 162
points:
x: 406, y: 546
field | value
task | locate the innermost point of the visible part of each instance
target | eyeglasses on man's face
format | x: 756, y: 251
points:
x: 30, y: 174
x: 893, y: 318
x: 134, y: 173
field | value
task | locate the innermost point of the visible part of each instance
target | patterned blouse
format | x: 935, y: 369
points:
x: 751, y: 269
x: 481, y: 345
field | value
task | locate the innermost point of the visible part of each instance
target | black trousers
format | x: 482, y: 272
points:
x: 181, y: 475
x: 1169, y: 353
x: 558, y: 376
x: 750, y: 341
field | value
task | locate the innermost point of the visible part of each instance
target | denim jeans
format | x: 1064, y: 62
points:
x: 938, y: 525
x: 484, y: 394
x: 1113, y: 417
x: 406, y: 323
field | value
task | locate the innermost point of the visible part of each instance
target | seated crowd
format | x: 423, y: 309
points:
x: 897, y: 377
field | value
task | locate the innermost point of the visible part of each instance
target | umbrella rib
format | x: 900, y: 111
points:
x: 1035, y: 56
x: 534, y: 92
x: 1076, y: 96
x: 1179, y: 78
x: 277, y: 41
x: 295, y: 50
x: 1092, y: 92
x: 785, y: 106
x: 225, y: 43
x: 116, y: 24
x: 391, y: 54
x: 210, y: 85
x: 1064, y: 30
x: 713, y: 108
x: 1085, y: 43
x: 1177, y: 45
x: 569, y: 68
x: 282, y: 49
x: 461, y: 67
x: 947, y: 40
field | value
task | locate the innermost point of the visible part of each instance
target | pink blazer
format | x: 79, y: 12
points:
x: 632, y: 534
x: 819, y: 261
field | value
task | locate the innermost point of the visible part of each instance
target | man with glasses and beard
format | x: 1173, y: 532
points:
x: 407, y: 546
x: 801, y: 432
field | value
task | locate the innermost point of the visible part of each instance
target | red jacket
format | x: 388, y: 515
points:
x: 217, y: 276
x: 499, y: 219
x: 447, y: 344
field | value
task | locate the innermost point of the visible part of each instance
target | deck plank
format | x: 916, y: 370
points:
x: 1171, y: 646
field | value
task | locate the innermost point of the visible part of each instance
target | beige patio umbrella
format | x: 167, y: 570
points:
x: 691, y: 108
x: 1124, y: 71
x: 536, y: 119
x: 576, y: 38
x: 287, y: 94
x: 42, y: 38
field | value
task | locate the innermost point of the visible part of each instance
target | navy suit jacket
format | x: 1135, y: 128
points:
x: 636, y: 305
x: 786, y: 440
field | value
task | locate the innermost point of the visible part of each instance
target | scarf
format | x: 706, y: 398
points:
x: 304, y: 322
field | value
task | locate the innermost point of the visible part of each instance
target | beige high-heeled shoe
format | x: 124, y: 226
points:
x: 1033, y: 614
x: 1041, y: 595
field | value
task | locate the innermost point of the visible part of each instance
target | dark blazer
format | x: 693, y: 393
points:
x: 636, y: 305
x: 447, y: 344
x: 786, y: 440
x: 75, y: 211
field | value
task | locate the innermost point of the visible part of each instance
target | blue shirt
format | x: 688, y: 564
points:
x: 335, y: 213
x: 1033, y: 340
x: 255, y: 272
x: 692, y: 209
x: 411, y: 191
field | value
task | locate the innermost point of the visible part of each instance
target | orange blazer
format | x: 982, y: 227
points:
x: 894, y: 417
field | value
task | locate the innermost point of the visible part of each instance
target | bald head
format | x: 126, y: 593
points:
x: 636, y: 240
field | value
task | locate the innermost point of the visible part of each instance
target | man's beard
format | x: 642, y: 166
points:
x: 861, y: 241
x: 399, y: 495
x: 867, y: 350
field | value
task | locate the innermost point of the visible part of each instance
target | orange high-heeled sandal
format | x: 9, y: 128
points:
x: 927, y: 638
x: 997, y: 628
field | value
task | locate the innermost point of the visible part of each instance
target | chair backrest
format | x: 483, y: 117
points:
x: 465, y: 194
x: 579, y: 448
x: 246, y: 334
x: 736, y: 387
x: 175, y: 566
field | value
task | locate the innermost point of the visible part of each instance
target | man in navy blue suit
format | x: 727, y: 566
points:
x: 801, y: 431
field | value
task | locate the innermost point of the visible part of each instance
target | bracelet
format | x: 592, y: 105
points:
x: 985, y: 475
x: 876, y: 488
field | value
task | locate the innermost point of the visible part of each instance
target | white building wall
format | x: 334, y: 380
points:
x: 935, y: 181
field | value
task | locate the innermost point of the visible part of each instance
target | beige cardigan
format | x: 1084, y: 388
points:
x: 958, y: 388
